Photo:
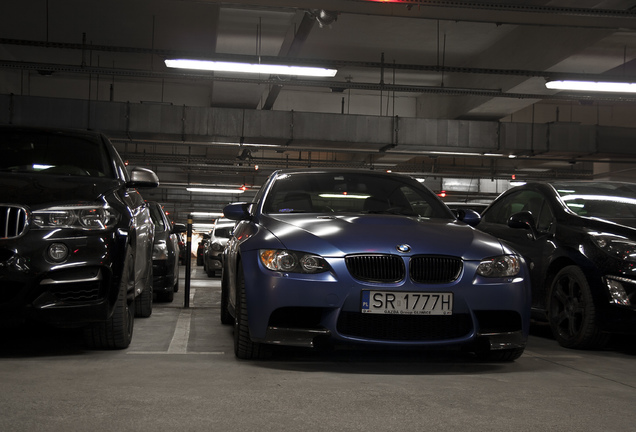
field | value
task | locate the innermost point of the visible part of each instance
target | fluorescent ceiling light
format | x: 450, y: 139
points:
x: 598, y: 86
x: 202, y: 226
x: 344, y: 195
x: 207, y: 214
x: 215, y: 190
x: 271, y: 69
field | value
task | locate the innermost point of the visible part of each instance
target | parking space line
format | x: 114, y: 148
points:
x: 179, y: 342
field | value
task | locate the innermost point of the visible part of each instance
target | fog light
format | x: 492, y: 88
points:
x: 617, y: 293
x: 58, y: 252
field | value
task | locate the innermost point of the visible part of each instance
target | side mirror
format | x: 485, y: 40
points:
x: 524, y: 220
x: 237, y: 211
x: 468, y: 216
x: 179, y: 228
x: 143, y: 177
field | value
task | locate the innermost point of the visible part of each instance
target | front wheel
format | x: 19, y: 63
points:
x: 572, y: 312
x: 143, y: 303
x: 117, y: 331
x: 244, y: 347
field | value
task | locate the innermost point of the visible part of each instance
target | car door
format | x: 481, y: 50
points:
x: 536, y: 246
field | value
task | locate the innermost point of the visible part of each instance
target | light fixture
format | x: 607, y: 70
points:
x: 344, y: 195
x: 594, y: 86
x: 215, y: 190
x: 271, y: 69
x: 207, y: 214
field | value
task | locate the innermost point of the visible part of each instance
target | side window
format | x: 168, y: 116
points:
x: 527, y: 200
x: 544, y: 221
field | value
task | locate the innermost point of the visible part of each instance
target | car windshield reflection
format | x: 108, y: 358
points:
x: 35, y: 152
x: 330, y: 193
x: 618, y: 204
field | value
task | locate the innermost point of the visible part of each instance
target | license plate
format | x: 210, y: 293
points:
x: 407, y: 303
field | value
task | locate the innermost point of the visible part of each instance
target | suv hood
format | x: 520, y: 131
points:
x: 345, y: 234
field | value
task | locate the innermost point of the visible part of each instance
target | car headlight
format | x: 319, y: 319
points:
x: 80, y: 217
x: 616, y: 246
x: 217, y: 247
x: 292, y: 261
x: 500, y: 266
x: 160, y: 250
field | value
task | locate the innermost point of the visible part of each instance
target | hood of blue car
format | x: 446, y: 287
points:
x: 39, y: 190
x: 347, y: 234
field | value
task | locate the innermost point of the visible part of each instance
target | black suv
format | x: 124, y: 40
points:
x: 75, y: 234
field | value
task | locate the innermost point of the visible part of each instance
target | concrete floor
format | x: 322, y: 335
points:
x: 180, y: 373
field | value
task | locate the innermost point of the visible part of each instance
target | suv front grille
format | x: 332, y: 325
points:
x: 13, y: 221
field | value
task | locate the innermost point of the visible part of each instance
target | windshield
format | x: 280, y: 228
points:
x: 30, y: 152
x: 611, y: 201
x: 352, y: 193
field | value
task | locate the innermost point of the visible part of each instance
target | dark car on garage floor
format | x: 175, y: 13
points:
x: 213, y: 253
x: 579, y: 239
x: 165, y: 254
x: 367, y: 258
x: 76, y: 236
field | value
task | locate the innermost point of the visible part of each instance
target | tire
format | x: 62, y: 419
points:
x: 571, y: 311
x: 166, y: 297
x: 117, y: 331
x: 210, y: 272
x: 143, y: 303
x: 244, y: 347
x: 226, y: 317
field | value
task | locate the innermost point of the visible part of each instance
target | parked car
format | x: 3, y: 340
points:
x: 579, y: 240
x: 183, y: 249
x: 201, y: 248
x: 479, y: 207
x: 213, y: 253
x: 366, y: 257
x: 76, y: 240
x: 165, y: 254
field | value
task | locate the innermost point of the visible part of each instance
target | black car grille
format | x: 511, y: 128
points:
x: 404, y: 327
x: 13, y: 221
x: 376, y: 268
x: 390, y: 268
x: 435, y: 269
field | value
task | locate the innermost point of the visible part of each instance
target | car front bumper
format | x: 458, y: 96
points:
x: 300, y: 310
x: 76, y: 291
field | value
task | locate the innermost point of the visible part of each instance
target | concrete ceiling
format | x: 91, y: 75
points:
x: 465, y: 62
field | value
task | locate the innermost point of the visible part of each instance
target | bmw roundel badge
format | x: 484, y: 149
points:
x: 404, y: 248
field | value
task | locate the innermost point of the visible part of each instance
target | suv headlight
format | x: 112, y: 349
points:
x: 292, y: 261
x: 616, y: 246
x: 86, y: 217
x: 500, y: 266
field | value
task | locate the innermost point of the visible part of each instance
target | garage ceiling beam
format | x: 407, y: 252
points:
x: 462, y: 11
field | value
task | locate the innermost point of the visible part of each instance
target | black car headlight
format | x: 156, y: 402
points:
x: 86, y: 217
x: 616, y: 246
x: 500, y: 266
x: 292, y: 261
